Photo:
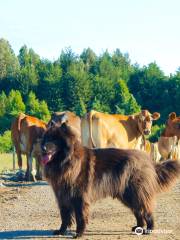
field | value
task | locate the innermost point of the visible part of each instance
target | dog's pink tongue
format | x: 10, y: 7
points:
x: 45, y: 159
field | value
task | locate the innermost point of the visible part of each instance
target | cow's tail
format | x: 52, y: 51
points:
x: 18, y: 124
x: 89, y: 118
x: 167, y: 173
x: 19, y: 119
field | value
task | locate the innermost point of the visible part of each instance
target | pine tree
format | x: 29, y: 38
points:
x: 32, y: 104
x: 98, y: 106
x: 44, y: 113
x: 29, y: 62
x: 125, y: 102
x: 15, y: 104
x: 9, y: 65
x: 37, y: 108
x: 76, y: 87
x: 80, y: 108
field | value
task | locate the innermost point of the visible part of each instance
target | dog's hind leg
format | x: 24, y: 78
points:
x: 66, y: 217
x: 149, y: 221
x: 131, y: 200
x: 81, y: 209
x: 139, y: 218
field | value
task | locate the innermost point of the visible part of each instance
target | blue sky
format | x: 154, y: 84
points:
x: 147, y: 29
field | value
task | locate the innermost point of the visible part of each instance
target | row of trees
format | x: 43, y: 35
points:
x: 108, y: 83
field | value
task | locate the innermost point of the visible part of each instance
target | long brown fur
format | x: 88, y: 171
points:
x: 80, y: 176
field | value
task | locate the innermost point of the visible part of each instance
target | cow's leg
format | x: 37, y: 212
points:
x: 32, y: 169
x: 19, y: 157
x: 27, y: 167
x: 38, y: 169
x: 30, y: 173
x: 18, y: 152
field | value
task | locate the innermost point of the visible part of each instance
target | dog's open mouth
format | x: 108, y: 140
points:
x: 47, y: 157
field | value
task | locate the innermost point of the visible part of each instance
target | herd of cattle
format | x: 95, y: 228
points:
x: 97, y: 130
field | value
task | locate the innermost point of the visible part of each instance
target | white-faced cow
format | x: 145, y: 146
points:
x: 102, y: 130
x: 25, y: 131
x: 57, y: 118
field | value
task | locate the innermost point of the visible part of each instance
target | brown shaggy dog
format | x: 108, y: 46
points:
x: 79, y: 176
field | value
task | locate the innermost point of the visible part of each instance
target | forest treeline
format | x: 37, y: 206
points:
x: 108, y: 82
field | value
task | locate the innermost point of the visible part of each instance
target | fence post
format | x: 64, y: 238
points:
x: 14, y: 158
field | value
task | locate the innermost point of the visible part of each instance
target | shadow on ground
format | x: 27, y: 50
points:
x: 26, y: 234
x: 15, y: 179
x: 29, y: 234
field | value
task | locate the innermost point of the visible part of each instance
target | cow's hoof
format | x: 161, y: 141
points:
x: 20, y: 175
x: 30, y: 178
x: 39, y: 178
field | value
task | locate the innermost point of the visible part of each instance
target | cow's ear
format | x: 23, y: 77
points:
x: 64, y: 119
x: 52, y: 123
x: 155, y: 116
x: 132, y: 117
x: 172, y: 116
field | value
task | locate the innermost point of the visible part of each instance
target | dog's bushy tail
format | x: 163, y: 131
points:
x: 167, y: 173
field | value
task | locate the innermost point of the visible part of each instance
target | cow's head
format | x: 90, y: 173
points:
x: 57, y: 119
x: 173, y: 125
x: 144, y: 121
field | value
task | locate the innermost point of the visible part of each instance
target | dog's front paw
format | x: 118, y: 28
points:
x: 58, y: 232
x: 133, y: 228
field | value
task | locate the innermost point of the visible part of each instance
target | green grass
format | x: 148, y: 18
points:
x: 6, y: 162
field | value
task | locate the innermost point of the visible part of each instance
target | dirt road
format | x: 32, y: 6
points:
x: 29, y: 211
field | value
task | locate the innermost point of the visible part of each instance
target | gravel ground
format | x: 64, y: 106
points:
x: 29, y: 211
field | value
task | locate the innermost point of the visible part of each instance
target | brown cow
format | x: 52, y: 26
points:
x: 57, y: 118
x: 168, y: 142
x: 25, y: 130
x: 114, y: 130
